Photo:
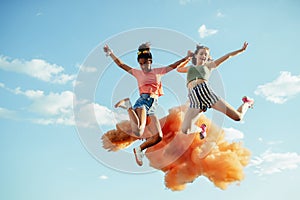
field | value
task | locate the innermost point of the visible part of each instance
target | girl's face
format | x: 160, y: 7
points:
x: 202, y: 56
x: 145, y: 64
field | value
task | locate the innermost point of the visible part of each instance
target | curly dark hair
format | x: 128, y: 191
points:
x: 144, y: 46
x: 144, y: 51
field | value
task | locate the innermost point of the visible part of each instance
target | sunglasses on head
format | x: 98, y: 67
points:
x: 143, y: 52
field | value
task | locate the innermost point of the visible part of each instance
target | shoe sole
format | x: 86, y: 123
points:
x: 120, y: 102
x: 140, y: 163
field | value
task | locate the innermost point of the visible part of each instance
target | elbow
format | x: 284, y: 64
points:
x: 180, y: 70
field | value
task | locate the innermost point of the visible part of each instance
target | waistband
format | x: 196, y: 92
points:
x: 195, y: 82
x: 146, y: 95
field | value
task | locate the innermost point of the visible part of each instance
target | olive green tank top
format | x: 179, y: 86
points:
x: 198, y: 72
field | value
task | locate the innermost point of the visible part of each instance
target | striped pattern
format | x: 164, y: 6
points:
x: 202, y: 97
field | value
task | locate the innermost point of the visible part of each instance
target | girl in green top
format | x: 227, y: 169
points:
x: 201, y: 95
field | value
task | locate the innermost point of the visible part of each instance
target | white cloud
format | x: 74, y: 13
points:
x: 270, y: 143
x: 52, y: 108
x: 204, y: 32
x: 103, y: 177
x: 53, y: 104
x: 57, y: 108
x: 57, y: 120
x: 7, y: 114
x: 88, y: 69
x: 232, y: 134
x: 88, y: 112
x: 31, y: 94
x: 184, y: 2
x: 36, y: 68
x: 269, y: 162
x: 281, y: 89
x: 220, y: 14
x: 38, y: 14
x: 274, y: 142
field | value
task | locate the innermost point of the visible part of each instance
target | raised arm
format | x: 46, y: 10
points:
x: 119, y: 62
x: 231, y: 54
x: 182, y: 68
x: 181, y: 63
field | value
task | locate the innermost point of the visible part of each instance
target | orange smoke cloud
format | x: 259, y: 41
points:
x: 177, y: 155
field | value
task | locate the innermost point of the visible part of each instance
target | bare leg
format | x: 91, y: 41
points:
x: 137, y: 120
x: 154, y: 127
x: 142, y: 116
x: 151, y: 142
x: 189, y: 117
x: 134, y: 121
x: 243, y: 109
x: 231, y: 112
x: 138, y: 151
x: 133, y: 116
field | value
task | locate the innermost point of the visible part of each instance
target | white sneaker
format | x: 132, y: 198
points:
x: 248, y: 100
x: 202, y: 133
x: 138, y: 155
x: 124, y: 103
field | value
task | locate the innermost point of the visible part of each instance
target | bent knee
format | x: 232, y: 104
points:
x: 141, y: 128
x: 139, y: 132
x: 237, y: 118
x: 184, y: 130
x: 159, y: 138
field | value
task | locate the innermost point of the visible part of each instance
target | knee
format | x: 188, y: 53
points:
x: 158, y: 138
x: 141, y: 128
x: 139, y: 131
x: 186, y: 126
x: 184, y: 130
x: 154, y: 139
x: 238, y: 118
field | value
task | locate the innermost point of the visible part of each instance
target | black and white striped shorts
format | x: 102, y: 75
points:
x: 202, y: 96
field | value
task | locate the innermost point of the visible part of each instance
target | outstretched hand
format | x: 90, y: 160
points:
x: 107, y: 50
x: 190, y: 53
x: 245, y: 46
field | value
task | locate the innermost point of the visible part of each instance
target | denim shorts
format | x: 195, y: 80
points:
x: 147, y: 102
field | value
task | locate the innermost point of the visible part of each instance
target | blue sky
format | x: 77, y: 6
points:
x: 49, y: 47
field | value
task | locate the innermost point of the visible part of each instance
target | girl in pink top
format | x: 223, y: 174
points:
x: 150, y: 88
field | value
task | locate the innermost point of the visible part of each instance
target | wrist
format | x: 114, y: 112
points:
x: 109, y: 52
